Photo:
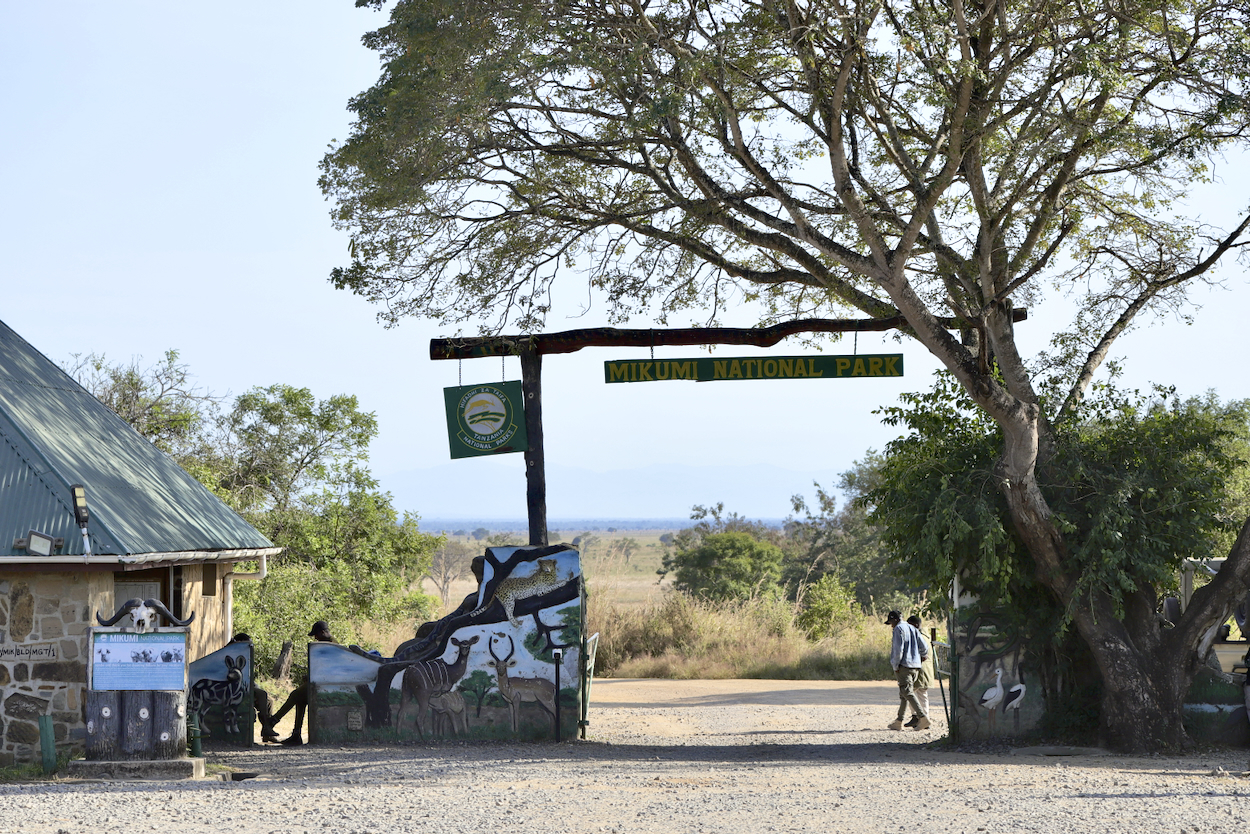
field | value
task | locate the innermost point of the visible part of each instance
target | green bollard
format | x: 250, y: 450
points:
x: 47, y: 743
x: 193, y: 736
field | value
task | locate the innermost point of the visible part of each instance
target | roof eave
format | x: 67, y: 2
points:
x: 132, y: 560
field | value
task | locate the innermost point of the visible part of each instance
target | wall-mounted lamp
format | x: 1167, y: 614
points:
x: 79, y: 493
x: 38, y: 544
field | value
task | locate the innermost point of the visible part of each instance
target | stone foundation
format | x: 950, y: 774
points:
x: 43, y: 651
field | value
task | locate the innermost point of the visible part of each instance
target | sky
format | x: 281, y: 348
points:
x: 159, y: 167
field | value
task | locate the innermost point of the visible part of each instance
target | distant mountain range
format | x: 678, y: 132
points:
x: 483, y: 490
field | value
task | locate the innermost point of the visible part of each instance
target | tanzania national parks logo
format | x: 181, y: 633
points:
x: 485, y: 419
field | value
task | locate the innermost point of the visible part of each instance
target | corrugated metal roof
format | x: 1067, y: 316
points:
x: 53, y: 434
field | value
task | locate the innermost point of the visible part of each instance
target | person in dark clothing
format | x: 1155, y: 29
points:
x: 299, y: 697
x: 262, y: 702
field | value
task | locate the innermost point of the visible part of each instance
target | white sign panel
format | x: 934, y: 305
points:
x: 121, y: 660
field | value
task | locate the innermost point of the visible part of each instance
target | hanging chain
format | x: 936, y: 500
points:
x: 460, y: 372
x: 503, y: 371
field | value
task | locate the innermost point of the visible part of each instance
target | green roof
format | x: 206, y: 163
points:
x: 53, y: 434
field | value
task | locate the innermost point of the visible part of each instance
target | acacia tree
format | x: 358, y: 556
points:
x: 887, y: 156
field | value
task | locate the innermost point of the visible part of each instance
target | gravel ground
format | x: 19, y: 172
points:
x: 669, y: 756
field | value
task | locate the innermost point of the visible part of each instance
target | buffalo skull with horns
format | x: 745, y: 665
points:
x: 143, y: 614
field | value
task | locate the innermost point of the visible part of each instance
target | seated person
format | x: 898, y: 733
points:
x: 299, y: 697
x: 262, y: 702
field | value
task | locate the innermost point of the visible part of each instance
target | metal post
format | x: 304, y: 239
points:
x: 558, y: 654
x: 47, y: 743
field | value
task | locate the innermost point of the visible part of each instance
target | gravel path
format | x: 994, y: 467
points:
x: 668, y: 756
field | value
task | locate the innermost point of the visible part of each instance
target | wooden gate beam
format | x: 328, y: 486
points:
x: 532, y: 347
x: 571, y: 341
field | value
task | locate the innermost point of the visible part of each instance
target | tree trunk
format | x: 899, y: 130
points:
x: 1145, y: 670
x: 282, y: 666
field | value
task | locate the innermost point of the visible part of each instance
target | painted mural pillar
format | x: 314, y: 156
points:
x: 995, y: 692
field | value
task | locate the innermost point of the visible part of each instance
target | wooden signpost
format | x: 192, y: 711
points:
x: 531, y: 348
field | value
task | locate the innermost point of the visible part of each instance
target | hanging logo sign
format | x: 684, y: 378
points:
x: 755, y: 367
x: 485, y: 419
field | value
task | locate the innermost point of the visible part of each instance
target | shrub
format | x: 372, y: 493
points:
x: 828, y: 609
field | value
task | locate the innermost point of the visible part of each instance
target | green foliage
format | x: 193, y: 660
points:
x: 296, y: 468
x: 1137, y: 485
x: 829, y: 608
x: 280, y: 443
x: 160, y: 402
x: 723, y: 566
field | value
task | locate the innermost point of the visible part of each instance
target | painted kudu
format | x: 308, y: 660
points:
x: 429, y: 679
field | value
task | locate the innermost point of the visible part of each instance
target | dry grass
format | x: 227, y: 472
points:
x: 680, y: 637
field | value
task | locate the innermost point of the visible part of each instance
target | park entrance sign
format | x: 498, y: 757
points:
x: 485, y: 419
x: 706, y: 369
x: 532, y: 347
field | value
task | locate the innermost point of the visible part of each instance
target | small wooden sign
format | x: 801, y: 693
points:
x: 707, y: 369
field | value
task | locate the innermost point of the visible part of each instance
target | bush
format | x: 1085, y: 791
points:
x: 726, y: 566
x: 829, y: 609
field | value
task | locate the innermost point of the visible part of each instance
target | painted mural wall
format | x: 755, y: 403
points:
x: 220, y: 695
x: 994, y: 697
x: 502, y: 665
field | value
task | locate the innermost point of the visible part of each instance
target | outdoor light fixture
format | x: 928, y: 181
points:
x: 79, y: 492
x: 39, y: 544
x: 80, y: 504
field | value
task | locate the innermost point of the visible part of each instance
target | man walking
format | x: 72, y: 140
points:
x: 907, y: 654
x: 925, y: 680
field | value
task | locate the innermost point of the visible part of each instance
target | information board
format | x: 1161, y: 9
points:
x: 128, y: 660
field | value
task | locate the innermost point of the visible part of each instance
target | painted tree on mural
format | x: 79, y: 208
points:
x: 884, y: 156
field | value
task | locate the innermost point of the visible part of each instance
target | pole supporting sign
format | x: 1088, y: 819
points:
x: 485, y: 419
x: 706, y: 369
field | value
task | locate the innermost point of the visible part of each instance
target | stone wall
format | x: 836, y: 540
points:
x: 43, y: 656
x: 44, y: 619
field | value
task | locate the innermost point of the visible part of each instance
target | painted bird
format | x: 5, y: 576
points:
x: 1012, y: 702
x: 993, y: 696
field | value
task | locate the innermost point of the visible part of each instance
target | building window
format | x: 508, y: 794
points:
x: 209, y: 587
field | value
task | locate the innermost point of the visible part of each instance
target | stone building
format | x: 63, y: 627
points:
x: 152, y: 532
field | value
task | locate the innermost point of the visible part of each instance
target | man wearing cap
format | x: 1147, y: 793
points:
x: 299, y: 697
x: 907, y: 654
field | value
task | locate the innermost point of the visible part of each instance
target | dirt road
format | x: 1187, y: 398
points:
x: 671, y: 756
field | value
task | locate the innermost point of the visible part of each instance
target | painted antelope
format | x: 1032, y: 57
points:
x: 428, y: 679
x: 517, y: 690
x: 227, y: 693
x: 450, y: 718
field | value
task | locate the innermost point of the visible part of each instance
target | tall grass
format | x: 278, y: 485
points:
x: 678, y: 636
